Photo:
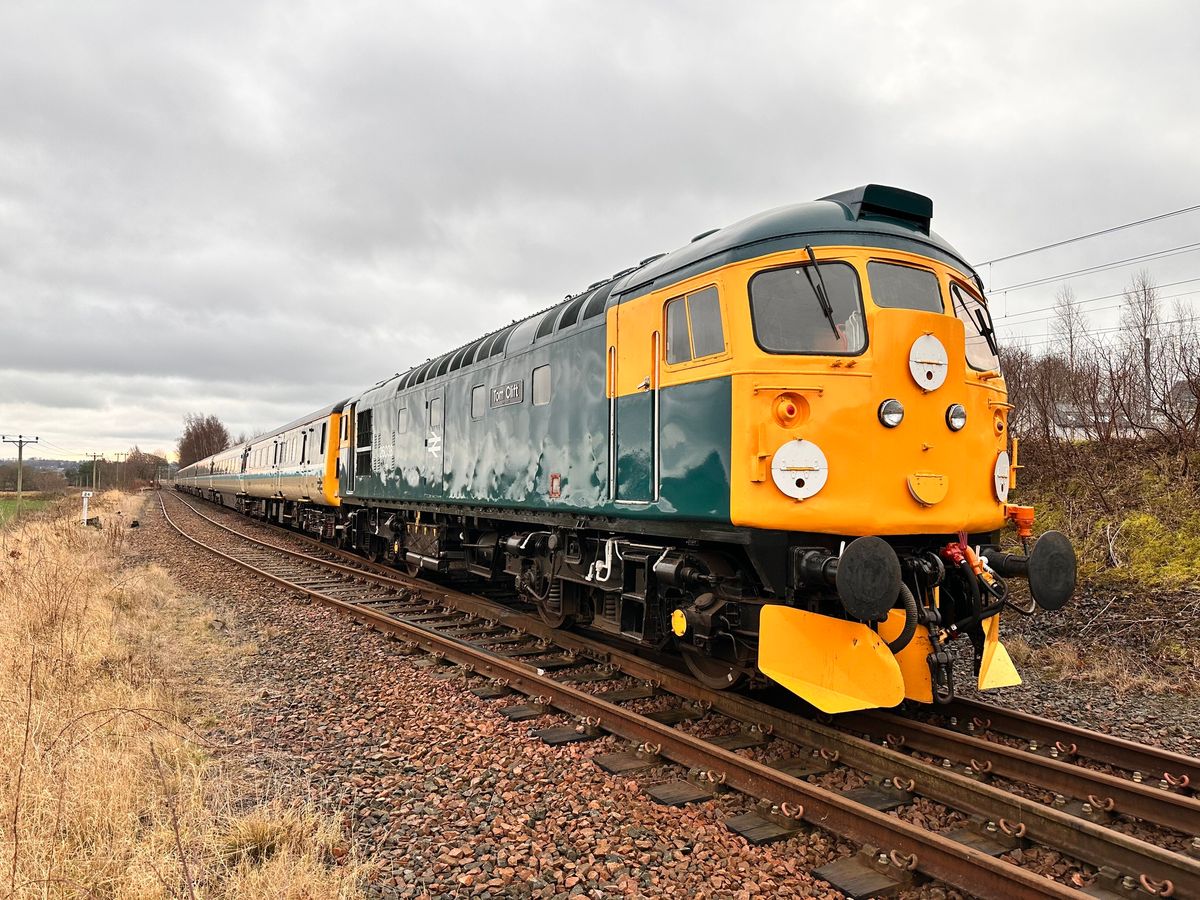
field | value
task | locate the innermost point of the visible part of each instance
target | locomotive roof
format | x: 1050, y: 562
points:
x: 872, y: 215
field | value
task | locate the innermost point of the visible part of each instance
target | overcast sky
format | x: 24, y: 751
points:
x: 254, y: 209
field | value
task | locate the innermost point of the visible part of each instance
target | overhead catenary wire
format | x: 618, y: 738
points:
x: 1102, y: 267
x: 1084, y: 237
x: 1046, y: 306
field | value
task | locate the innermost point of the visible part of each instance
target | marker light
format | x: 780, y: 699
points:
x: 956, y: 417
x: 790, y: 409
x: 891, y: 413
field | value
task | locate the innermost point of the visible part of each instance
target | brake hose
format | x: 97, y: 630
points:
x: 910, y: 620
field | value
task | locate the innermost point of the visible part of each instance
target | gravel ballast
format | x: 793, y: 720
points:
x: 450, y: 799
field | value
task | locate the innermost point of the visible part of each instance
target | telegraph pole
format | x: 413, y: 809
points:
x: 120, y: 471
x: 20, y: 442
x: 95, y: 471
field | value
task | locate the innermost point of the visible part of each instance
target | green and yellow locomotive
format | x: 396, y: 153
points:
x: 782, y: 449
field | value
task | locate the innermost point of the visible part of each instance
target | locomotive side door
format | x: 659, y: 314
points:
x: 633, y: 379
x: 435, y: 450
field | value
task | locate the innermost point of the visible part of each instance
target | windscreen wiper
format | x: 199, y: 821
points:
x: 987, y: 330
x: 819, y: 289
x: 981, y: 318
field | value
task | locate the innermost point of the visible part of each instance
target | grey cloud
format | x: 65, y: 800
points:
x: 201, y: 206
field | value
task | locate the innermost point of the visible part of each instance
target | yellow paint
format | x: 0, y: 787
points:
x: 835, y: 665
x: 928, y: 488
x: 996, y: 669
x: 679, y: 623
x: 332, y: 451
x: 913, y: 659
x: 869, y: 489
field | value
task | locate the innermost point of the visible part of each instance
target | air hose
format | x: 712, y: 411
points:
x: 910, y: 620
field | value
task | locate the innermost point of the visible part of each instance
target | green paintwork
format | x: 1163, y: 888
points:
x: 506, y: 457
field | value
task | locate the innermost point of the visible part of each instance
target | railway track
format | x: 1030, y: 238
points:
x: 1132, y: 836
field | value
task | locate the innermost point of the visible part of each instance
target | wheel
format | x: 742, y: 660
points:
x: 412, y: 570
x: 714, y: 674
x: 372, y: 550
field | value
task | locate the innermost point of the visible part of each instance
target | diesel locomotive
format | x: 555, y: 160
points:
x: 781, y: 450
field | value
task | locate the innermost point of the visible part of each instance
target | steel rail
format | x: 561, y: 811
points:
x: 934, y: 855
x: 1150, y: 804
x: 1119, y: 752
x: 1077, y: 837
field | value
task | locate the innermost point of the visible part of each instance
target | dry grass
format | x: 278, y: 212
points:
x: 1116, y: 668
x: 104, y: 789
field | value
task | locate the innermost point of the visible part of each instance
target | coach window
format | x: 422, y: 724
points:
x: 541, y: 385
x: 304, y: 448
x: 478, y: 401
x: 694, y: 326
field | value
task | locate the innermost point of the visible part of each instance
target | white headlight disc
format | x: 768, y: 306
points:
x: 1000, y: 476
x: 799, y: 469
x: 928, y: 362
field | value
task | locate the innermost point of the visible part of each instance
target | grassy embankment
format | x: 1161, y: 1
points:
x: 1135, y: 521
x: 30, y: 503
x: 105, y: 788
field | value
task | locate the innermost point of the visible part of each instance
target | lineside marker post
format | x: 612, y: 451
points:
x: 86, y: 496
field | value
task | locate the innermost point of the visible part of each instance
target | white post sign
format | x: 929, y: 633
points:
x: 86, y: 496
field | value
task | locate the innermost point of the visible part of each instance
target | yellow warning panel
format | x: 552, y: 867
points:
x: 913, y: 659
x: 997, y: 669
x: 835, y: 665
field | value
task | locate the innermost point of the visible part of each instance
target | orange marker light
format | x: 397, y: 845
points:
x: 790, y: 410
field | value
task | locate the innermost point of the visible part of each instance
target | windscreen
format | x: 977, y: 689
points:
x: 977, y: 321
x: 904, y: 287
x: 788, y: 316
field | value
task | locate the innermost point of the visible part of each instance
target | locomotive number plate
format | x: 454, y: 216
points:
x: 508, y: 394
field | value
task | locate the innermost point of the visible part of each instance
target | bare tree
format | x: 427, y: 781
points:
x: 202, y: 437
x: 1068, y: 322
x: 1139, y: 318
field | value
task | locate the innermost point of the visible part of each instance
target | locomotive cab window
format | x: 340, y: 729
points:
x: 982, y: 353
x: 402, y: 420
x: 789, y: 316
x: 541, y: 385
x: 435, y: 412
x: 694, y: 328
x: 904, y: 287
x: 478, y: 401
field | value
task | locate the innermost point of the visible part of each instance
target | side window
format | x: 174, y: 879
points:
x: 435, y: 412
x: 324, y: 427
x: 694, y: 326
x: 541, y: 385
x: 304, y: 448
x: 478, y: 401
x: 679, y: 348
x: 704, y: 309
x: 402, y: 420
